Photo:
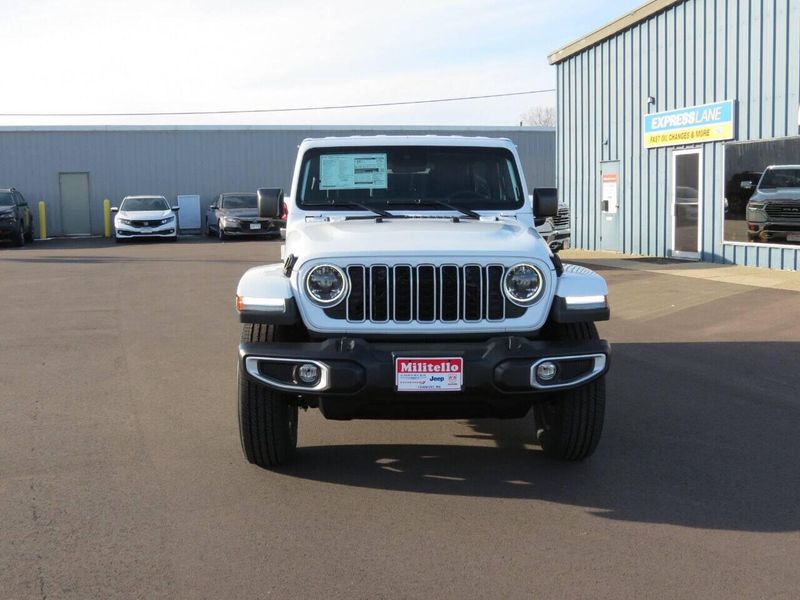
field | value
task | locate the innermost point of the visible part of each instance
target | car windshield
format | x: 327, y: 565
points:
x: 6, y: 199
x: 239, y: 201
x: 144, y: 204
x: 417, y: 176
x: 780, y: 178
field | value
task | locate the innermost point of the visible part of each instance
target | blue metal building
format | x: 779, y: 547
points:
x: 650, y: 110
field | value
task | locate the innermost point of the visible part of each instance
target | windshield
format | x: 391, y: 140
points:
x: 6, y: 199
x: 143, y: 204
x: 473, y: 178
x: 780, y: 178
x: 239, y: 201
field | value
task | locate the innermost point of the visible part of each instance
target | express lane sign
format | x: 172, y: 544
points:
x: 691, y: 125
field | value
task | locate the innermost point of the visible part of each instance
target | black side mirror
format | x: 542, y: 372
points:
x: 175, y: 208
x: 545, y: 202
x: 269, y: 202
x: 212, y: 207
x: 114, y: 209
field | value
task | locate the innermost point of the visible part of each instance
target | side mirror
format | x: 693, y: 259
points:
x: 746, y: 185
x: 175, y: 208
x: 212, y: 207
x: 114, y: 209
x: 269, y: 202
x: 545, y: 202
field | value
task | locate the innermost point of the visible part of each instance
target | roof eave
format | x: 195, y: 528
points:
x: 637, y: 15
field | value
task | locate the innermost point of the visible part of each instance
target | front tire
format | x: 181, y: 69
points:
x: 19, y: 238
x: 221, y: 232
x: 29, y: 235
x: 267, y: 419
x: 570, y: 425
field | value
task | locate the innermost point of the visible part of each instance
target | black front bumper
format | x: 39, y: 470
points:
x: 360, y: 379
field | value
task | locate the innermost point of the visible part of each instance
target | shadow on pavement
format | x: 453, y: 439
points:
x: 698, y: 435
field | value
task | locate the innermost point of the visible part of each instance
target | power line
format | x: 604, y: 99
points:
x: 277, y: 110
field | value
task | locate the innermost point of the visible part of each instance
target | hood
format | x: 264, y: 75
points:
x: 144, y: 215
x: 414, y: 237
x: 766, y: 195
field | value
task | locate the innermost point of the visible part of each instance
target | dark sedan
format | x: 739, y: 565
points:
x: 236, y: 215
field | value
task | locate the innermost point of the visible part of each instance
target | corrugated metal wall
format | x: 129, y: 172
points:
x: 205, y: 161
x: 695, y: 52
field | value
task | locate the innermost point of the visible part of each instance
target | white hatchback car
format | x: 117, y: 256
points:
x: 145, y: 217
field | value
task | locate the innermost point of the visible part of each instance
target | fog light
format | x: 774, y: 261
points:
x: 546, y: 371
x: 307, y: 373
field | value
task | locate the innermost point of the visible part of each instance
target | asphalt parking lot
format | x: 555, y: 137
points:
x: 121, y: 473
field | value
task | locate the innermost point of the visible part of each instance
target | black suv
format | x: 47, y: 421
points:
x: 16, y: 222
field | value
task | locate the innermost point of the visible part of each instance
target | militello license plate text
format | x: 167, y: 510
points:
x: 429, y: 374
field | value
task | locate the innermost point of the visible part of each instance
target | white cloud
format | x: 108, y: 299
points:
x: 93, y: 56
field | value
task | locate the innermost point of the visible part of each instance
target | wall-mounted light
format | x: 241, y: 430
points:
x: 651, y: 100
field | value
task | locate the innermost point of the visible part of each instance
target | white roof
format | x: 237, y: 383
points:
x: 407, y: 140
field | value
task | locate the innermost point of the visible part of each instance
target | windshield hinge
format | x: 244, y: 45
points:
x: 289, y: 265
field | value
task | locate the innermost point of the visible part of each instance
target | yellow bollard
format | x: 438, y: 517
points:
x: 42, y: 221
x: 107, y: 216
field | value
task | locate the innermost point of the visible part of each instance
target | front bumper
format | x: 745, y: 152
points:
x: 358, y: 376
x: 9, y: 230
x: 774, y: 230
x: 164, y: 231
x: 268, y: 227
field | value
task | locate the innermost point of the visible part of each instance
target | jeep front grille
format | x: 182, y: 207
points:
x: 425, y: 293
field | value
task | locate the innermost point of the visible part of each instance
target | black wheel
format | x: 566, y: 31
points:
x: 29, y: 235
x: 267, y: 419
x: 208, y: 227
x: 569, y: 425
x: 220, y: 232
x: 19, y: 238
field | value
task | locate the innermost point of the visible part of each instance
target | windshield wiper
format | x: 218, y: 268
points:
x: 373, y: 209
x: 435, y: 202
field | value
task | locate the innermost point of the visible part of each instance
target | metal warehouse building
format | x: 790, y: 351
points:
x: 73, y: 169
x: 666, y: 119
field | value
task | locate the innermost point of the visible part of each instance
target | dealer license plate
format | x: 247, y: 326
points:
x: 429, y: 374
x: 147, y: 230
x: 793, y: 237
x: 255, y: 225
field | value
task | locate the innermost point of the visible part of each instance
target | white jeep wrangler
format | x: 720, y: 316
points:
x: 415, y: 285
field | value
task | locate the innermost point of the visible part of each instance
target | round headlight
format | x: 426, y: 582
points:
x: 523, y: 284
x: 326, y: 284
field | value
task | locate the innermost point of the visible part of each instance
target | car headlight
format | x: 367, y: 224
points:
x: 123, y: 221
x: 168, y: 220
x: 326, y: 285
x: 229, y: 221
x: 523, y: 284
x: 8, y: 218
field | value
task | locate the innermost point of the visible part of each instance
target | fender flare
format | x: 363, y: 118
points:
x: 264, y: 295
x: 581, y: 295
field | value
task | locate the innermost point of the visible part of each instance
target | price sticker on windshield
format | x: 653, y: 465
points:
x: 353, y: 172
x: 429, y: 374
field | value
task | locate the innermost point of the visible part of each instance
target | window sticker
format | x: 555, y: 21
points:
x: 353, y: 171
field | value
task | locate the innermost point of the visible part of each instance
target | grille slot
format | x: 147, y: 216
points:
x: 425, y: 293
x: 562, y: 218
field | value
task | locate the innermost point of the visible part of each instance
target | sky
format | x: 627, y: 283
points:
x: 177, y: 55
